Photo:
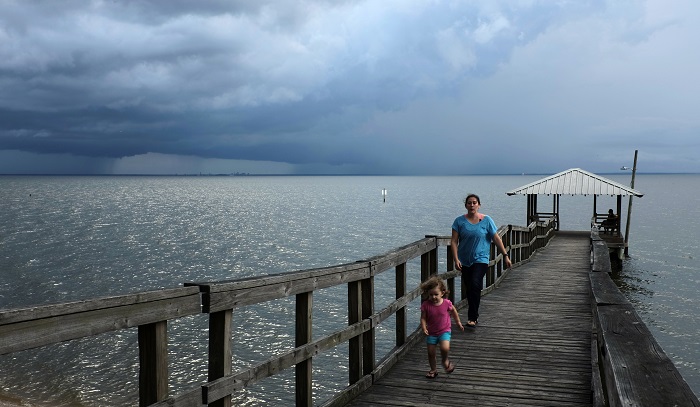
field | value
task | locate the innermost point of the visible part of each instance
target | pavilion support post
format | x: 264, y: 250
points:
x: 619, y: 212
x: 528, y: 214
x: 629, y: 207
x: 555, y: 210
x: 595, y: 210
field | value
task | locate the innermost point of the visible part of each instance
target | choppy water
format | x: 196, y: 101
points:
x: 72, y: 238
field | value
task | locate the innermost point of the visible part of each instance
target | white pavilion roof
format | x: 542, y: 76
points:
x: 575, y: 181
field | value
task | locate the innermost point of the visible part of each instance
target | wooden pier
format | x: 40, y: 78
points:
x: 532, y: 346
x: 554, y: 331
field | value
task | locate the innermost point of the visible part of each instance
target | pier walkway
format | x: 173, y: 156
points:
x: 532, y: 346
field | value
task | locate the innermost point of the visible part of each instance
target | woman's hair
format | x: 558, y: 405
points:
x: 433, y: 282
x: 472, y: 196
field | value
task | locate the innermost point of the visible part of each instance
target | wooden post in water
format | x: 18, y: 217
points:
x: 629, y: 207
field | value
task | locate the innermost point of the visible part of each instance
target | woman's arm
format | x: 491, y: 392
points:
x: 499, y: 244
x: 454, y: 243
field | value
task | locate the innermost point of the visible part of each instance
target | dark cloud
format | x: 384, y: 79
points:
x: 400, y: 87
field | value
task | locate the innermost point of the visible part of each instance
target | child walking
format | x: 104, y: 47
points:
x: 435, y: 320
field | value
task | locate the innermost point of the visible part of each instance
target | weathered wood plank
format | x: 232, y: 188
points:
x: 189, y: 398
x: 636, y: 369
x: 238, y: 380
x: 303, y: 370
x: 604, y: 290
x: 75, y: 322
x: 272, y: 279
x: 402, y: 254
x: 215, y: 298
x: 153, y: 362
x: 601, y: 259
x: 11, y: 316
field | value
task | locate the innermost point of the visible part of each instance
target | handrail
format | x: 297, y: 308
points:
x: 629, y: 366
x: 27, y: 328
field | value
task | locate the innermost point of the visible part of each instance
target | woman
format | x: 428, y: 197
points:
x: 472, y: 234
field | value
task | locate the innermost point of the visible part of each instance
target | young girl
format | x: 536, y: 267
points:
x: 435, y: 320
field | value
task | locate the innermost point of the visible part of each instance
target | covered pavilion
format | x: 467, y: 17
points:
x: 576, y: 181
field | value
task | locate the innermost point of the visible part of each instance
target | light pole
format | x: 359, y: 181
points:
x: 629, y: 208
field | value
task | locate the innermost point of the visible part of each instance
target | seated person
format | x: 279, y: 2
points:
x: 611, y: 222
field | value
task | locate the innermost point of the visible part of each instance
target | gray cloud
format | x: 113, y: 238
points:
x: 366, y: 87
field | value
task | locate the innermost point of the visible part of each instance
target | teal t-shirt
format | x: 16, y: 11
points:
x: 474, y: 240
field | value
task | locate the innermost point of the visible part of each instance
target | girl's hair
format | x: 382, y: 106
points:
x: 433, y: 282
x: 472, y: 196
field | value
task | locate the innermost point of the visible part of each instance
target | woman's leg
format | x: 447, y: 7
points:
x: 473, y: 279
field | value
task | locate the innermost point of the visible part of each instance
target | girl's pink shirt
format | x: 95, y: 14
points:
x: 437, y: 317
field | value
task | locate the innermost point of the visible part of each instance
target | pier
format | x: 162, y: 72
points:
x: 555, y: 331
x: 532, y: 346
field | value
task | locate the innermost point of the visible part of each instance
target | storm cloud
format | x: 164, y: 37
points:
x: 357, y: 87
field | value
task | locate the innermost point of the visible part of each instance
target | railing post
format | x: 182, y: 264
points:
x: 450, y: 267
x: 426, y: 267
x: 491, y: 270
x: 153, y: 362
x: 367, y: 288
x: 401, y: 321
x: 355, y: 343
x: 521, y: 239
x: 220, y: 350
x: 509, y: 241
x: 303, y: 370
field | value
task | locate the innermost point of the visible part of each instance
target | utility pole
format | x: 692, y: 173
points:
x: 629, y: 208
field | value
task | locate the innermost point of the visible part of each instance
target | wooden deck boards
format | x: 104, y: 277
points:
x: 532, y: 346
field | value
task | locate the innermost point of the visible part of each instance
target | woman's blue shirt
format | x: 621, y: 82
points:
x: 474, y: 240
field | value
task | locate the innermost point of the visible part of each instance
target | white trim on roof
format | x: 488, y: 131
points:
x: 575, y: 181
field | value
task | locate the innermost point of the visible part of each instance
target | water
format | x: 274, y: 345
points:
x: 72, y: 238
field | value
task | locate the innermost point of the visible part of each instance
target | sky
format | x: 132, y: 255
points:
x: 392, y: 87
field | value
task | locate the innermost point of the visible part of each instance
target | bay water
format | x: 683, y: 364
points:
x: 69, y: 238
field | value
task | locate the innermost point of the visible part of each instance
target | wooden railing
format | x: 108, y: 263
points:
x: 27, y: 328
x: 629, y: 366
